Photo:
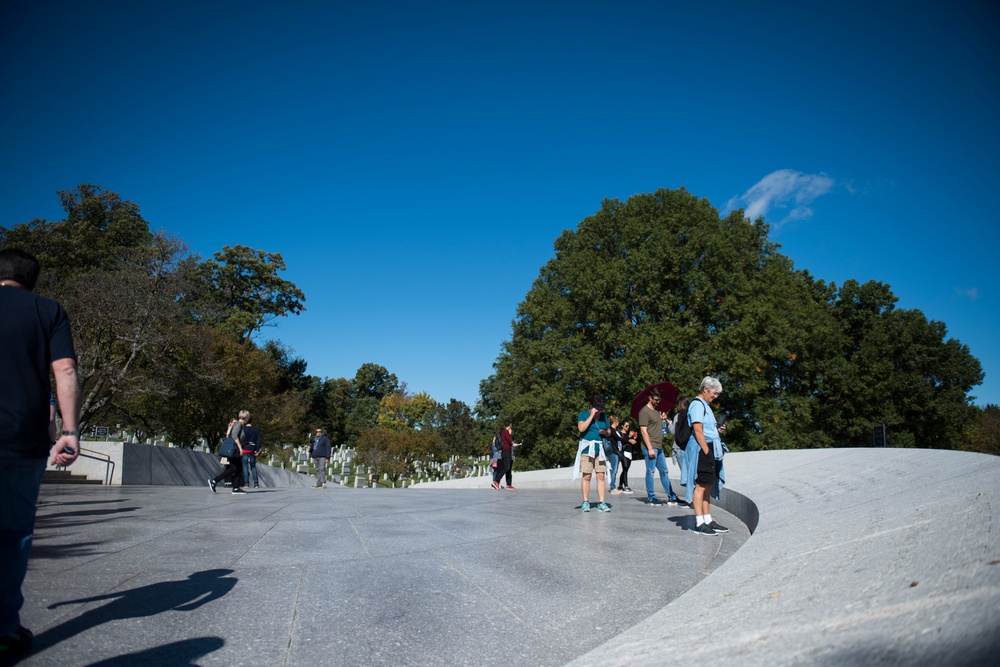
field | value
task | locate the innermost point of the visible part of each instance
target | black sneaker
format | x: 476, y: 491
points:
x: 683, y: 503
x: 211, y: 485
x: 655, y: 501
x: 718, y: 528
x: 672, y: 501
x: 15, y: 644
x: 238, y: 490
x: 705, y: 529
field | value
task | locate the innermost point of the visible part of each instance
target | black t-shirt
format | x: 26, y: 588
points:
x: 251, y: 438
x: 34, y: 332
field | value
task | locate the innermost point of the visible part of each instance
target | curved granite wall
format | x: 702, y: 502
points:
x: 858, y: 556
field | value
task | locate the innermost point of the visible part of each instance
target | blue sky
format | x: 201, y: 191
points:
x: 413, y: 163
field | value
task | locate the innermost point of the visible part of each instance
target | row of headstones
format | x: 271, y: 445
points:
x: 340, y: 470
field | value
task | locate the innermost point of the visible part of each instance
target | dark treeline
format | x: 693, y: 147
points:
x: 662, y: 288
x: 166, y: 340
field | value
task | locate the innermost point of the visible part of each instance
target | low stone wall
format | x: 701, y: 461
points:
x: 149, y: 464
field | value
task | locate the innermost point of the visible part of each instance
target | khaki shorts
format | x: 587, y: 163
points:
x: 589, y: 464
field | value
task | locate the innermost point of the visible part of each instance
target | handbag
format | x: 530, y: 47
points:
x: 228, y: 448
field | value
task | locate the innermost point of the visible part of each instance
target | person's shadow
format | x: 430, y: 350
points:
x: 183, y: 595
x: 176, y: 654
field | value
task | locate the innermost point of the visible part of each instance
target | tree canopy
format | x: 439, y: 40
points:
x: 662, y: 288
x: 157, y: 332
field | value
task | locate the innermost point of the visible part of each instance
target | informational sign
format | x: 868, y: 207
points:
x: 101, y: 432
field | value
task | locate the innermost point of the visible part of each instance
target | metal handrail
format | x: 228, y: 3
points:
x: 109, y: 465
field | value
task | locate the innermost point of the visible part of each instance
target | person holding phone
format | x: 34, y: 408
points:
x: 591, y: 458
x: 651, y: 427
x: 706, y: 449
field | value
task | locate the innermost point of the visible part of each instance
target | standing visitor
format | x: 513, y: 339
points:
x: 630, y: 438
x: 251, y: 448
x: 590, y: 456
x: 320, y: 450
x: 505, y: 462
x: 651, y: 427
x: 706, y: 455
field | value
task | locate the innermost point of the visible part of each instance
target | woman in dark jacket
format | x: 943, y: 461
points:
x: 628, y: 439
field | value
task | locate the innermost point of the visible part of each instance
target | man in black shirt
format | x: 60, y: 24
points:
x: 252, y: 441
x: 34, y: 336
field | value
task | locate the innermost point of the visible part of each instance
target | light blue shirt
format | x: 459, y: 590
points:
x: 699, y: 412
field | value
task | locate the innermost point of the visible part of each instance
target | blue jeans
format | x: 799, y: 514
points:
x: 652, y: 465
x: 613, y: 461
x: 20, y: 480
x: 249, y: 464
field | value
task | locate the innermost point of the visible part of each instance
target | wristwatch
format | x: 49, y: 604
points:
x: 76, y: 433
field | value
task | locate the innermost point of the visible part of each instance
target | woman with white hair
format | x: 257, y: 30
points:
x: 704, y: 451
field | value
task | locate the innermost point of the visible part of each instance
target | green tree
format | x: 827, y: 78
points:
x: 339, y: 404
x: 374, y: 381
x: 241, y: 291
x: 399, y: 411
x: 460, y: 432
x: 984, y: 436
x: 119, y: 284
x: 363, y: 416
x: 897, y: 368
x: 661, y: 287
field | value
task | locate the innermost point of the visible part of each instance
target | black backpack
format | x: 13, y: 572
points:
x: 682, y: 429
x: 496, y: 445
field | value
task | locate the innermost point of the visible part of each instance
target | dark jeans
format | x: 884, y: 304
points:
x: 504, y: 465
x: 249, y: 468
x: 20, y: 480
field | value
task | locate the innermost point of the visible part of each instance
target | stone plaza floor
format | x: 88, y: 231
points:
x: 158, y: 575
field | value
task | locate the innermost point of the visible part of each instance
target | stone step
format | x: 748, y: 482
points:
x: 66, y: 477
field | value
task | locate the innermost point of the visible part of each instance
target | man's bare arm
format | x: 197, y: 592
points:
x: 69, y: 398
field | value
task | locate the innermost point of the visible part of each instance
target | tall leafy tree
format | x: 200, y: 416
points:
x: 661, y: 287
x: 241, y: 291
x: 374, y: 381
x: 118, y: 282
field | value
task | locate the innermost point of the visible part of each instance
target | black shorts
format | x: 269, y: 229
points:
x: 708, y: 469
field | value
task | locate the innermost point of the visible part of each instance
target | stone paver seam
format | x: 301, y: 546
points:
x: 531, y: 628
x: 256, y: 542
x: 295, y: 617
x: 361, y: 539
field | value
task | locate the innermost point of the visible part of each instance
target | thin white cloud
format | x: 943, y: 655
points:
x: 970, y: 293
x: 784, y: 190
